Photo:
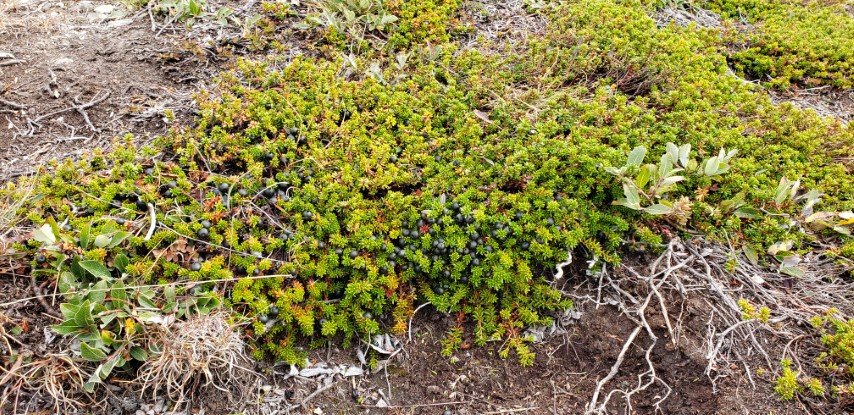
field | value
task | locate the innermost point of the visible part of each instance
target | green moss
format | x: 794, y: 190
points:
x: 803, y: 43
x: 428, y: 21
x: 837, y: 336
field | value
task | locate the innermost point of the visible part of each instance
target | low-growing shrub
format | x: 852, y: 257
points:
x: 808, y: 44
x: 324, y: 206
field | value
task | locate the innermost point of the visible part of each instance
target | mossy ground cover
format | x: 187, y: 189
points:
x: 322, y: 203
x: 802, y: 44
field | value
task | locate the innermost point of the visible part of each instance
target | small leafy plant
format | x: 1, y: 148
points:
x: 646, y: 191
x: 354, y: 18
x: 105, y: 317
x: 181, y: 10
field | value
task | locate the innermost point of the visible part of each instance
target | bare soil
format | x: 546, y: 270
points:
x: 63, y: 55
x: 561, y: 381
x: 824, y: 101
x: 74, y: 79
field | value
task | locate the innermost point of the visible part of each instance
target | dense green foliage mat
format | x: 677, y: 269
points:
x: 320, y: 202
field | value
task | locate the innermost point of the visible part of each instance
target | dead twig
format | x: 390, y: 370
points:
x: 511, y: 411
x: 78, y: 107
x: 13, y: 104
x: 308, y: 398
x: 37, y: 293
x: 153, y: 222
x: 12, y: 370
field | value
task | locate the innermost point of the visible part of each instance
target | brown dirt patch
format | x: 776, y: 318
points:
x: 823, y: 100
x: 561, y: 380
x: 67, y: 54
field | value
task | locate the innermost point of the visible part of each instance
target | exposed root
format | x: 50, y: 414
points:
x: 717, y: 278
x: 637, y: 313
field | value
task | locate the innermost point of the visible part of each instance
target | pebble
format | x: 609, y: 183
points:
x: 85, y: 6
x: 105, y: 9
x: 119, y: 23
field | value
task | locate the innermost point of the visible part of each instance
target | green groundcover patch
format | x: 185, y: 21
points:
x: 320, y: 205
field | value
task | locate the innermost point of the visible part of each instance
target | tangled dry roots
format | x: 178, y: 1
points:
x: 718, y: 278
x: 200, y: 353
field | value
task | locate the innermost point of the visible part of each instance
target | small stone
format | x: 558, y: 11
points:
x: 119, y: 23
x: 105, y: 9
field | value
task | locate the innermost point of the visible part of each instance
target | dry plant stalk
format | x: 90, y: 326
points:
x: 55, y: 376
x: 204, y: 351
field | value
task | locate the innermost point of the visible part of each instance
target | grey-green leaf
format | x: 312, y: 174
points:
x: 748, y: 212
x: 711, y: 167
x: 658, y: 209
x: 684, y: 153
x: 118, y: 238
x: 45, y: 234
x: 102, y: 240
x: 138, y: 353
x: 792, y: 271
x: 636, y: 156
x: 632, y: 196
x: 96, y: 268
x: 90, y: 353
x: 121, y: 261
x: 751, y: 255
x: 84, y: 235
